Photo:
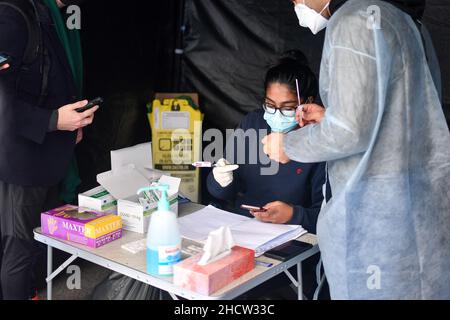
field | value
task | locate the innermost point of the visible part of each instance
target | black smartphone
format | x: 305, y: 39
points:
x: 4, y: 59
x: 95, y: 102
x: 288, y: 250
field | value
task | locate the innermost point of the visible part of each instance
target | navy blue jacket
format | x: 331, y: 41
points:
x: 31, y: 155
x: 298, y: 184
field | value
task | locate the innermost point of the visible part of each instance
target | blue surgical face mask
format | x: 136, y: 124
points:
x: 280, y: 123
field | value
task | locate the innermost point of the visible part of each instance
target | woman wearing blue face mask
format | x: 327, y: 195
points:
x: 282, y: 95
x: 293, y: 194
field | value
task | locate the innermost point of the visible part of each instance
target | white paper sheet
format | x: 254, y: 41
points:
x: 247, y: 232
x: 198, y: 225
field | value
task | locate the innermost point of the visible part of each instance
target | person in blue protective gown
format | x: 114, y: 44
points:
x: 386, y: 232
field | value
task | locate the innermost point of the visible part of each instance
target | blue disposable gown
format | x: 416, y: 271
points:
x: 386, y: 232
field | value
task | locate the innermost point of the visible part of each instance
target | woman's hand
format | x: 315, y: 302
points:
x: 277, y: 212
x: 223, y: 173
x: 311, y: 113
x: 4, y: 67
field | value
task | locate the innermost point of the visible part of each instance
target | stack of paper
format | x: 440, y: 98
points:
x: 248, y: 233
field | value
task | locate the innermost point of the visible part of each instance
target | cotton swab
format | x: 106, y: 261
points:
x: 300, y: 106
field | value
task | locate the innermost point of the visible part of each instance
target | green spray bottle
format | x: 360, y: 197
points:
x: 163, y: 238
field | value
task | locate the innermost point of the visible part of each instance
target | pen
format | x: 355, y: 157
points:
x: 264, y: 264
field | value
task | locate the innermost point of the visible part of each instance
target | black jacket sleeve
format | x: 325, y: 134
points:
x: 216, y: 190
x: 307, y: 217
x: 30, y: 121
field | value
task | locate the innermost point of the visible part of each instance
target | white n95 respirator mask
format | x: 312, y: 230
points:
x: 310, y: 18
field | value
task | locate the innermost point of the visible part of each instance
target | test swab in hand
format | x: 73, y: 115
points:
x: 203, y: 164
x: 300, y: 106
x: 207, y: 164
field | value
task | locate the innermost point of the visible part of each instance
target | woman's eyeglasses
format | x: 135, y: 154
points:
x: 285, y: 111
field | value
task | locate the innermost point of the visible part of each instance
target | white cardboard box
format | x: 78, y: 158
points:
x: 98, y: 199
x: 123, y: 185
x: 139, y: 155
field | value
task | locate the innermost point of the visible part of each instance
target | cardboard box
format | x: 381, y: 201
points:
x: 98, y: 199
x: 208, y: 279
x: 80, y: 225
x: 123, y: 185
x: 139, y: 155
x: 176, y: 124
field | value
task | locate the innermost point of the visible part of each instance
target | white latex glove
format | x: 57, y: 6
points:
x: 223, y: 172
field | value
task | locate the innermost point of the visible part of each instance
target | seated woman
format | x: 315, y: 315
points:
x: 294, y: 193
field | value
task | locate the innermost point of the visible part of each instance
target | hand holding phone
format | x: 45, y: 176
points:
x: 275, y: 212
x: 4, y: 61
x: 253, y: 208
x: 95, y: 102
x: 70, y: 120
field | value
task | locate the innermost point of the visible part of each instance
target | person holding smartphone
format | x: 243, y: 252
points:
x: 294, y: 194
x: 39, y: 128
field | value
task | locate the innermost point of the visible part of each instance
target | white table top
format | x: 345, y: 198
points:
x: 114, y: 257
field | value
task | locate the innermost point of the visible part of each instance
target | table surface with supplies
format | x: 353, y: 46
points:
x: 114, y: 257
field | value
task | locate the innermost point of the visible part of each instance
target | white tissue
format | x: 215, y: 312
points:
x: 218, y: 246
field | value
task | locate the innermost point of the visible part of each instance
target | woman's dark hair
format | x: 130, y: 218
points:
x: 290, y: 66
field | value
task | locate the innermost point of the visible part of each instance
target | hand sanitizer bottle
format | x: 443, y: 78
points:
x: 163, y: 238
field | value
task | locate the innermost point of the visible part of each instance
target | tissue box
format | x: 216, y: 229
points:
x: 98, y: 199
x: 89, y: 228
x: 208, y: 279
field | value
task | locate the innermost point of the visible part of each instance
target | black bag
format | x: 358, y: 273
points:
x: 120, y: 287
x: 35, y: 49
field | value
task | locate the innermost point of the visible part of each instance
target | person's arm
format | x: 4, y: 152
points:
x: 351, y: 115
x: 307, y: 217
x: 230, y: 191
x: 218, y: 192
x: 30, y: 121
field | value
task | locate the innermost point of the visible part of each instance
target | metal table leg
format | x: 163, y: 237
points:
x: 299, y: 281
x: 174, y: 297
x: 49, y: 271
